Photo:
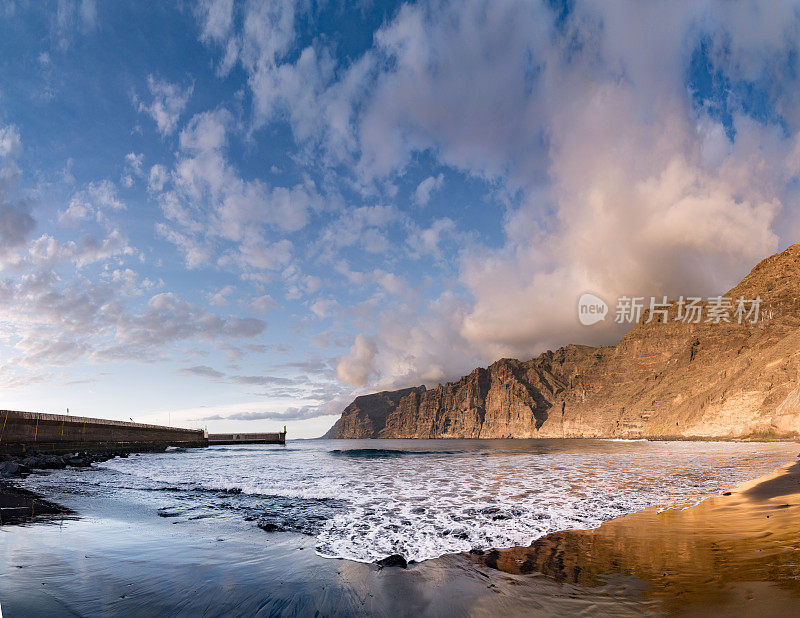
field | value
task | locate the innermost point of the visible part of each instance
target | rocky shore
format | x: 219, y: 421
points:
x: 19, y: 505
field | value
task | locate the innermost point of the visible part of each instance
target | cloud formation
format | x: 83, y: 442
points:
x: 16, y: 220
x: 207, y: 203
x: 167, y: 103
x: 72, y: 17
x: 424, y: 190
x: 92, y: 202
x: 290, y: 414
x: 626, y: 182
x: 404, y: 205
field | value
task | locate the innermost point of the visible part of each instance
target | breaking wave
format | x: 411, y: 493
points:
x: 412, y: 498
x: 383, y: 452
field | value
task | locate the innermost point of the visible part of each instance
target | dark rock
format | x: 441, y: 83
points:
x: 395, y: 560
x: 9, y: 469
x: 31, y: 461
x: 56, y: 463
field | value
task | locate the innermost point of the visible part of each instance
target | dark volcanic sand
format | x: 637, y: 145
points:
x: 121, y: 558
x: 730, y: 555
x: 19, y: 505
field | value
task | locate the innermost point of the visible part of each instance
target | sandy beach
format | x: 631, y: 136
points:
x: 18, y: 505
x: 734, y: 553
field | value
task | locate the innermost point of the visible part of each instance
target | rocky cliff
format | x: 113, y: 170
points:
x: 666, y: 378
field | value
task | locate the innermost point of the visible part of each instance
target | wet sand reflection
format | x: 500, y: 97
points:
x: 730, y: 549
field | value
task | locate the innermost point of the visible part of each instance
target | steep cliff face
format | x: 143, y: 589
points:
x: 667, y: 379
x: 367, y: 414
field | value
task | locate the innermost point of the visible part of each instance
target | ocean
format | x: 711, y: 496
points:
x: 366, y: 500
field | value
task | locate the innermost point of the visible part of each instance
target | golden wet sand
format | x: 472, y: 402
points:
x: 734, y: 554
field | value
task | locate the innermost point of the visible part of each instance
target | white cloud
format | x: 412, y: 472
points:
x: 220, y: 297
x: 10, y: 142
x: 393, y: 284
x: 212, y: 206
x: 47, y: 252
x: 299, y: 86
x: 195, y: 252
x: 424, y: 190
x: 72, y: 17
x: 167, y: 104
x: 609, y: 173
x: 217, y: 18
x: 300, y: 285
x: 56, y: 313
x: 157, y: 178
x: 49, y: 350
x: 133, y: 168
x: 289, y: 414
x: 54, y: 317
x: 357, y: 368
x: 135, y: 162
x: 323, y: 307
x: 262, y: 304
x: 236, y: 204
x: 206, y: 132
x: 256, y: 252
x: 427, y: 241
x: 16, y: 220
x: 168, y: 318
x: 203, y: 371
x: 129, y: 281
x: 91, y: 203
x: 363, y: 226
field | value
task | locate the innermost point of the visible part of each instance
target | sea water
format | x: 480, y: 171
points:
x: 364, y: 500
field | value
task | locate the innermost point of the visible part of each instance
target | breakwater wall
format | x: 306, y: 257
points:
x: 59, y: 433
x: 247, y: 438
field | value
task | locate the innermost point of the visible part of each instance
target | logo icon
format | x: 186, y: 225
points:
x: 591, y: 309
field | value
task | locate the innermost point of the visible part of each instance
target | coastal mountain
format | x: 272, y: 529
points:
x: 667, y: 378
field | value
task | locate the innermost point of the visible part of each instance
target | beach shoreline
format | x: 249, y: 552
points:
x: 19, y: 505
x: 742, y: 546
x: 737, y: 548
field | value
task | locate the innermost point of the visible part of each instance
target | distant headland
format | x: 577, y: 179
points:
x: 668, y: 378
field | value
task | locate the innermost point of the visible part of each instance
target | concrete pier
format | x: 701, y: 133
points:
x: 59, y: 433
x: 247, y: 438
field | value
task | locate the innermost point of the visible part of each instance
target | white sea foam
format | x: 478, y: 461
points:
x: 426, y: 499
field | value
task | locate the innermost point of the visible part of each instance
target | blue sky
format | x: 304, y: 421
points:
x: 240, y: 215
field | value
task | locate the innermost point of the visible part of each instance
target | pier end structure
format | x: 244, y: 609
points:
x: 247, y: 438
